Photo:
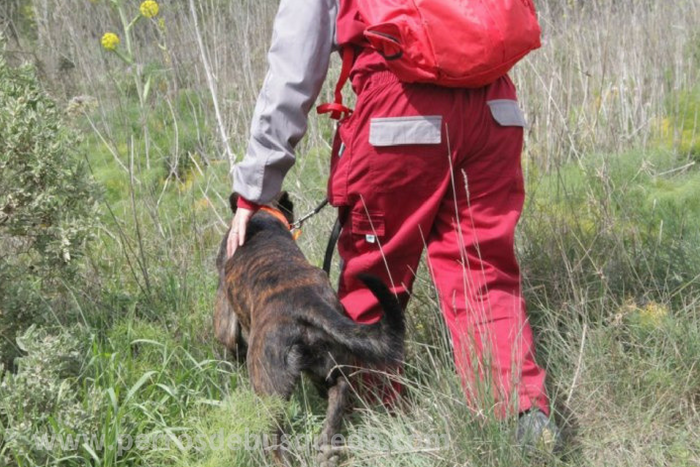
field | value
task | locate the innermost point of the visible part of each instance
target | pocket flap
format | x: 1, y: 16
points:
x: 362, y: 224
x: 507, y: 112
x: 393, y: 131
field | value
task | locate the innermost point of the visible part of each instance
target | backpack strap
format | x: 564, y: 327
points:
x: 336, y: 108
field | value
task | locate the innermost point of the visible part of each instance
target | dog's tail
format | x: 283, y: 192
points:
x: 379, y: 343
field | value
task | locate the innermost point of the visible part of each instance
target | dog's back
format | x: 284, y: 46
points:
x: 292, y: 315
x: 288, y: 309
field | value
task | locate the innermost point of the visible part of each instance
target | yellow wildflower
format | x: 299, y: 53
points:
x: 149, y: 8
x: 110, y: 41
x: 653, y: 315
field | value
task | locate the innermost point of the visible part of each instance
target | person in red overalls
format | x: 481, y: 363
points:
x: 414, y: 166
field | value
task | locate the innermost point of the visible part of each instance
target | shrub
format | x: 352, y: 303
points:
x: 47, y: 205
x: 42, y: 402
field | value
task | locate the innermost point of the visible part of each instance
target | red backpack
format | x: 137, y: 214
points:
x: 454, y: 43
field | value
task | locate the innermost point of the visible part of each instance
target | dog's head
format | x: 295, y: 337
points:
x: 282, y: 202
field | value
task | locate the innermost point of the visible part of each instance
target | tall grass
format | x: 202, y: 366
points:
x: 608, y: 76
x: 608, y: 244
x: 606, y: 72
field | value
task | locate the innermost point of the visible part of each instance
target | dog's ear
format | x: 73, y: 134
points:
x: 233, y: 201
x: 285, y: 204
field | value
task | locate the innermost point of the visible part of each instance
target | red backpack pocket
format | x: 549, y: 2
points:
x: 455, y: 43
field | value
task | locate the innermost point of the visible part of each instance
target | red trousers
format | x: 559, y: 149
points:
x: 423, y: 166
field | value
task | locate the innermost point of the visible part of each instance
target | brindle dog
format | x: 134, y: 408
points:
x: 282, y: 313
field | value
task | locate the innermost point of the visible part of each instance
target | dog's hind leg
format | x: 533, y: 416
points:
x: 329, y: 446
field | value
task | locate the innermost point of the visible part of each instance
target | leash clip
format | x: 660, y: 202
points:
x: 296, y: 225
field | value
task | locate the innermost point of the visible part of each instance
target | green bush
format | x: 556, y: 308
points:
x: 47, y: 205
x: 43, y: 401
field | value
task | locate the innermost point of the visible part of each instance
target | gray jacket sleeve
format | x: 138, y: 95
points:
x: 302, y: 41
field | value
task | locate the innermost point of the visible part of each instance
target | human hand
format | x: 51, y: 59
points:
x: 236, y: 235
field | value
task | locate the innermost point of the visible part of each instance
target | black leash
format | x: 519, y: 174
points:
x: 332, y: 240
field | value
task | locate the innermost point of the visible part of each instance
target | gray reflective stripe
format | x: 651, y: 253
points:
x: 507, y: 112
x: 392, y: 131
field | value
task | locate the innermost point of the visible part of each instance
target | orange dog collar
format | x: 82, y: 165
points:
x: 277, y: 214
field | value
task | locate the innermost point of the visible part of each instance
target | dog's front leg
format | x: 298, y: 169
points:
x: 227, y: 329
x: 328, y: 446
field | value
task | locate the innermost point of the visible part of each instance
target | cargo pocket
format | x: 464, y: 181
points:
x: 367, y: 229
x: 406, y: 152
x: 507, y: 112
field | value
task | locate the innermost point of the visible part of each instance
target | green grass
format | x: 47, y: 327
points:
x: 625, y: 395
x: 680, y: 131
x: 614, y: 227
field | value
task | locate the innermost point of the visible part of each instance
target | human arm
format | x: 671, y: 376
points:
x: 302, y: 40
